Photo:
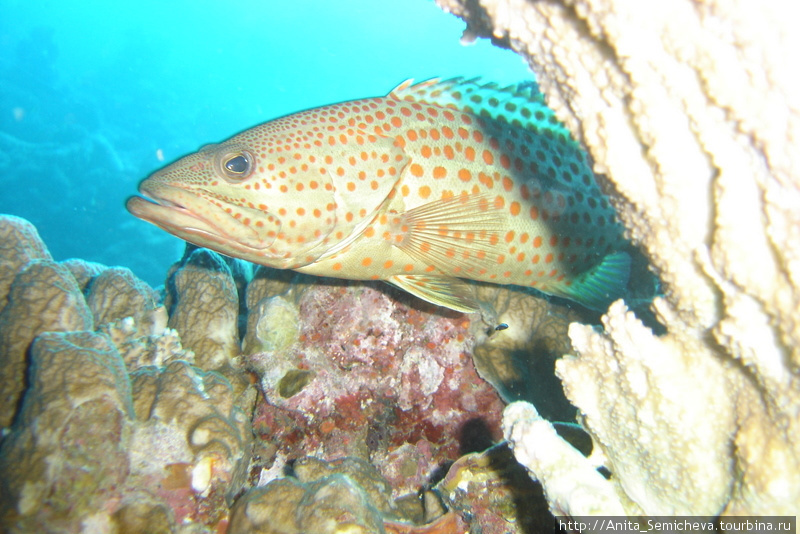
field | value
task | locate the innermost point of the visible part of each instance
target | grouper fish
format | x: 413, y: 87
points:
x: 436, y: 182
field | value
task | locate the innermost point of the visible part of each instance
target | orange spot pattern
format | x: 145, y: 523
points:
x: 396, y: 149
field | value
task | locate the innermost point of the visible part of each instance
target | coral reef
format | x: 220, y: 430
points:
x: 365, y: 376
x: 109, y: 424
x: 364, y: 397
x: 347, y: 495
x: 692, y: 112
x: 495, y: 494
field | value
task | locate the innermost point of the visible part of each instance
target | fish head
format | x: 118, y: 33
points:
x: 242, y: 200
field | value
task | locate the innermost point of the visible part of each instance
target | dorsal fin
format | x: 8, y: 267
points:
x: 521, y: 105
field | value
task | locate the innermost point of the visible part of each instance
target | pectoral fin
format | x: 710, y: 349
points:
x: 457, y: 235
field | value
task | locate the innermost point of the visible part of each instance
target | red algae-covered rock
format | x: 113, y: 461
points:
x: 370, y: 377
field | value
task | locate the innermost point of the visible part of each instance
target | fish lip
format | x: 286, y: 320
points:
x: 173, y: 209
x: 155, y: 206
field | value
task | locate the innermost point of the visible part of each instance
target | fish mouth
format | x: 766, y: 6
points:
x: 168, y: 211
x: 192, y: 218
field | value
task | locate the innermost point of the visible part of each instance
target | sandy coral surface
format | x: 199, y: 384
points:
x: 692, y: 112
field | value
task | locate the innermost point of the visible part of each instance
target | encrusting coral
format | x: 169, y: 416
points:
x: 365, y: 376
x: 692, y: 111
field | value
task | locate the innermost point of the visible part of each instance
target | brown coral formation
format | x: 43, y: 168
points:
x: 204, y: 309
x: 692, y: 111
x: 345, y: 496
x: 43, y: 297
x: 110, y: 426
x: 80, y: 393
x: 19, y: 244
x: 518, y: 359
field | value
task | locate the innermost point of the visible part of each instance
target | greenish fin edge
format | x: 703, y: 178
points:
x: 603, y: 284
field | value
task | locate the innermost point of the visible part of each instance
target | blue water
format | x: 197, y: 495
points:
x: 95, y: 95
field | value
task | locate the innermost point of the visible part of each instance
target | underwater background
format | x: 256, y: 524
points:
x: 218, y: 396
x: 95, y: 96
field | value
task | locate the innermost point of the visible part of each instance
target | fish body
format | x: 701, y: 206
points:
x: 432, y: 183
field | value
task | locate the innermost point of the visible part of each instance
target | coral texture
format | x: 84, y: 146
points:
x: 321, y: 499
x: 352, y: 372
x: 692, y: 111
x: 494, y: 494
x: 43, y: 298
x: 344, y: 496
x: 518, y: 357
x: 108, y: 424
x: 204, y: 308
x: 378, y: 387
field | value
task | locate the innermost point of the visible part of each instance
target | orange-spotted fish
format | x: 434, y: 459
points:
x: 435, y: 182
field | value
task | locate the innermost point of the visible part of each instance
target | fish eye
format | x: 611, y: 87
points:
x: 237, y: 165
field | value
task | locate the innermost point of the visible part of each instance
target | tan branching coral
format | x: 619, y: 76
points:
x: 692, y: 110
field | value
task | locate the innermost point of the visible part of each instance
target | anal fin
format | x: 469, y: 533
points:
x: 440, y: 290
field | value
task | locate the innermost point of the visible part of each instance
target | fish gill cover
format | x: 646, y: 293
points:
x: 95, y: 97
